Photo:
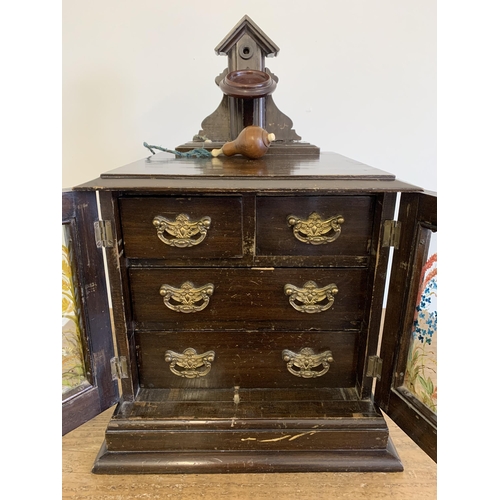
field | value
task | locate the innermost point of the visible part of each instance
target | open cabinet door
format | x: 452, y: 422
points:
x: 87, y: 342
x: 407, y: 389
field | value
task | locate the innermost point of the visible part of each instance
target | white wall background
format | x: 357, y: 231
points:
x: 357, y: 77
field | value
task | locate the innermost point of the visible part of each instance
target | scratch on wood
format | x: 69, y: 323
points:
x: 303, y: 434
x: 275, y: 439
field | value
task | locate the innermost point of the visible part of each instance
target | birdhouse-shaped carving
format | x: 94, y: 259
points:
x: 246, y: 47
x: 247, y: 85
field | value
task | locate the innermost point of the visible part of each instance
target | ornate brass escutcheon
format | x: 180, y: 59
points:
x: 310, y: 298
x: 182, y: 229
x: 187, y: 298
x: 303, y: 363
x: 314, y: 230
x: 189, y: 362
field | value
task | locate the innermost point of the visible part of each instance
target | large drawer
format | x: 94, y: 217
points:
x: 314, y: 225
x: 157, y: 228
x: 222, y: 360
x: 249, y: 298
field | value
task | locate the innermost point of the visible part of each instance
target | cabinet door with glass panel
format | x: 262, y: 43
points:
x: 407, y: 389
x: 88, y: 387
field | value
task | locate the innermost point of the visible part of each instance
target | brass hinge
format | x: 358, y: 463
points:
x: 374, y: 368
x: 119, y: 368
x: 391, y: 233
x: 103, y: 234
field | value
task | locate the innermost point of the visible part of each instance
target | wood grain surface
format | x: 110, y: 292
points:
x: 80, y: 447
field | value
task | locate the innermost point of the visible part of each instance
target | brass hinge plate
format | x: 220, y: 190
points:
x: 119, y: 368
x: 103, y: 234
x: 391, y: 233
x: 374, y: 368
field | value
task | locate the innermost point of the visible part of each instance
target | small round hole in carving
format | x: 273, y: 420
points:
x: 246, y: 52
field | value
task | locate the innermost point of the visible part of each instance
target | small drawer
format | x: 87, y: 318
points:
x: 314, y: 225
x: 222, y: 360
x: 187, y: 227
x: 249, y: 298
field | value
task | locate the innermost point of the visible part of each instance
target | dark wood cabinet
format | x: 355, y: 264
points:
x: 247, y: 301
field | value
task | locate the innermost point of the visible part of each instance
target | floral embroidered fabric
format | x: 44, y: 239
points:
x: 73, y: 367
x: 421, y: 369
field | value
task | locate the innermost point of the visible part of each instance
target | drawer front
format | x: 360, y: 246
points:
x: 188, y: 227
x: 249, y: 298
x: 314, y: 225
x: 222, y: 360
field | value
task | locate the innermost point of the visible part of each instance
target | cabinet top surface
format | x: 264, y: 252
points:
x: 327, y: 165
x: 327, y: 171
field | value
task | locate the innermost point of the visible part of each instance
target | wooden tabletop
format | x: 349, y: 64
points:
x: 80, y: 447
x: 325, y: 166
x: 327, y: 173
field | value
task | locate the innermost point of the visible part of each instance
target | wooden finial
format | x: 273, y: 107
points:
x: 252, y: 142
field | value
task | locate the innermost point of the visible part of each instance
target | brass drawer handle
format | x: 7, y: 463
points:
x: 187, y: 298
x: 314, y: 230
x: 182, y: 229
x: 303, y: 363
x: 189, y: 362
x: 311, y: 298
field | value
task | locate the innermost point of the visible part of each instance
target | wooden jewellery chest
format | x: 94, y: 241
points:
x: 247, y: 300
